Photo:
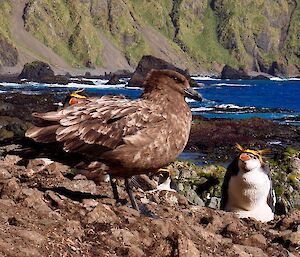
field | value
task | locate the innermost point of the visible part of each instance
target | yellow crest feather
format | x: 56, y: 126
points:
x: 255, y: 152
x: 76, y: 94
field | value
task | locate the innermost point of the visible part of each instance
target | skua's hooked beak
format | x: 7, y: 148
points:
x: 193, y: 94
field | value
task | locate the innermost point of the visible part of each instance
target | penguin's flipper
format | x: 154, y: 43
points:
x: 271, y: 197
x: 232, y: 170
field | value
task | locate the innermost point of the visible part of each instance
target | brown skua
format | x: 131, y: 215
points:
x: 128, y: 137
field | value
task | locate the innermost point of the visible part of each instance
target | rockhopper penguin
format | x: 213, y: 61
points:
x: 247, y: 187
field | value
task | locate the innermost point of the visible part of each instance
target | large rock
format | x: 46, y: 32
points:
x: 41, y: 72
x: 278, y: 70
x: 230, y: 73
x: 36, y: 71
x: 149, y: 62
x: 114, y: 80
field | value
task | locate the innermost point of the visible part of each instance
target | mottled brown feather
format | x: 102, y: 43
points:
x: 131, y: 136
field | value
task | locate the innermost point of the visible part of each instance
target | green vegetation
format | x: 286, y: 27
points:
x: 228, y: 32
x: 292, y: 46
x: 244, y: 27
x: 286, y: 180
x: 203, y: 181
x: 66, y: 27
x: 200, y: 37
x: 156, y: 14
x: 5, y: 9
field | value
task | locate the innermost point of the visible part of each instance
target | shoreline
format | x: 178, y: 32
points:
x: 213, y: 137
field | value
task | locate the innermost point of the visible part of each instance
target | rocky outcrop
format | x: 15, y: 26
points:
x: 278, y: 70
x: 41, y: 72
x: 114, y: 80
x: 149, y: 62
x: 230, y: 73
x: 36, y: 71
x: 218, y: 137
x: 254, y: 36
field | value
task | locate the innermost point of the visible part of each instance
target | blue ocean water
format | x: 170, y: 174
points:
x: 275, y: 98
x: 237, y: 99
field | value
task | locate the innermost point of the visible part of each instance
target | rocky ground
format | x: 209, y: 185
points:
x: 48, y: 209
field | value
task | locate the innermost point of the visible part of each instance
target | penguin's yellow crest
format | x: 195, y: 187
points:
x: 258, y: 153
x: 77, y: 94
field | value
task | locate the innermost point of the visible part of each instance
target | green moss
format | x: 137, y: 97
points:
x: 205, y: 180
x: 85, y: 44
x: 289, y: 151
x: 293, y: 179
x: 279, y: 191
x: 286, y: 184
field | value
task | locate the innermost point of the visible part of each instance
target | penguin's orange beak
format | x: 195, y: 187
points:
x: 244, y: 157
x: 73, y: 101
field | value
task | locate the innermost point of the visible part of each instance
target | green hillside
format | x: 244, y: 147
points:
x: 244, y: 34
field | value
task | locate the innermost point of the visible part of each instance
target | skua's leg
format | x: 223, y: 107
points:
x: 130, y: 194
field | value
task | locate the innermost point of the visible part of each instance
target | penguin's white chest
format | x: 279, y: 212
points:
x: 248, y: 191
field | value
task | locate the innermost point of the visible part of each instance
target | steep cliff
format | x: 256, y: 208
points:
x: 8, y: 52
x: 194, y: 34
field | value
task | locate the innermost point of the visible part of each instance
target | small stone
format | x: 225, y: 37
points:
x: 186, y: 248
x: 215, y: 203
x: 102, y: 214
x: 73, y: 228
x: 80, y: 177
x: 35, y: 201
x: 293, y: 237
x: 55, y: 198
x: 144, y: 200
x: 162, y: 226
x: 242, y: 250
x: 11, y: 189
x: 193, y: 198
x: 4, y: 174
x: 33, y: 236
x: 89, y: 204
x: 182, y: 200
x: 171, y: 198
x: 83, y: 186
x: 127, y: 237
x: 257, y: 240
x: 11, y: 159
x: 294, y: 166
